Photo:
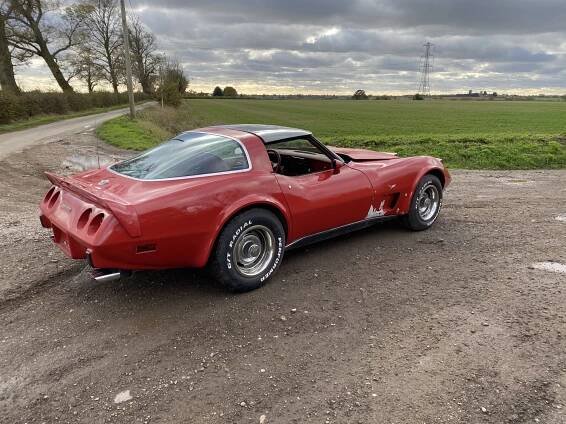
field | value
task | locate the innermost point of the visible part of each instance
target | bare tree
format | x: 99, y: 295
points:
x: 85, y: 67
x: 7, y: 78
x: 145, y: 59
x: 105, y: 40
x: 50, y: 37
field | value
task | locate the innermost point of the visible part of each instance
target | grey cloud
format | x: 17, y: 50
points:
x: 486, y: 47
x: 494, y: 16
x: 342, y: 45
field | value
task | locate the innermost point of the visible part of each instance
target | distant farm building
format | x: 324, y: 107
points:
x: 472, y: 94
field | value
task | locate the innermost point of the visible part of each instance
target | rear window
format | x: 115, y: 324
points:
x: 188, y: 154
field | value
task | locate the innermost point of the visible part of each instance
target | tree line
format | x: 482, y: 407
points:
x: 82, y: 41
x: 227, y: 92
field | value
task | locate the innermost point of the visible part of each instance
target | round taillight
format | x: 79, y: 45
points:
x: 54, y: 198
x: 83, y: 219
x: 95, y: 223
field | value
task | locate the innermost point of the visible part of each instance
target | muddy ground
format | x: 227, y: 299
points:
x: 450, y: 325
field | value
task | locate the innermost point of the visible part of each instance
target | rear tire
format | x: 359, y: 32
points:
x: 249, y: 250
x: 425, y: 204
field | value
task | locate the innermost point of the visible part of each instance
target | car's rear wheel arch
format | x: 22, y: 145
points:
x: 248, y: 249
x: 266, y: 206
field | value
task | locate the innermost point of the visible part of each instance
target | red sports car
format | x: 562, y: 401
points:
x: 234, y: 197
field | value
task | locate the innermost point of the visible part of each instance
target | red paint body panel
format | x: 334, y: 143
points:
x: 157, y: 224
x: 399, y: 176
x: 325, y: 200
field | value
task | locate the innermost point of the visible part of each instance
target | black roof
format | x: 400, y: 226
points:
x: 268, y: 133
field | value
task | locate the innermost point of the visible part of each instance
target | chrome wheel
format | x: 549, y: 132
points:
x: 253, y: 251
x: 428, y: 202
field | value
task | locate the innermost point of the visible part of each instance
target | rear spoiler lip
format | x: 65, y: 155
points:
x: 123, y: 212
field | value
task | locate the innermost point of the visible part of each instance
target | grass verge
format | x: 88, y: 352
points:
x: 482, y: 151
x: 48, y: 119
x: 473, y: 139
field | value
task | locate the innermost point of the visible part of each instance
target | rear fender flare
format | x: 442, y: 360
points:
x: 245, y: 204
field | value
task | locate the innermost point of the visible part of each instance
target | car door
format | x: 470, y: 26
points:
x: 326, y: 199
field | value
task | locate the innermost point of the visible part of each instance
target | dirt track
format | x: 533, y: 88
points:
x: 17, y: 141
x: 383, y: 326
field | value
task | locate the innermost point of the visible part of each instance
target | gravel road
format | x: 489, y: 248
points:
x: 451, y: 325
x: 14, y: 142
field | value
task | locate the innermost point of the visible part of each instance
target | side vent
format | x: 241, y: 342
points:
x: 393, y: 200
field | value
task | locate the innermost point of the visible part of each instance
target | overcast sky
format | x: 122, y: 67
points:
x: 338, y: 46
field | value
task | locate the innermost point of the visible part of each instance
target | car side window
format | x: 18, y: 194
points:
x: 299, y: 144
x: 297, y: 156
x: 190, y: 154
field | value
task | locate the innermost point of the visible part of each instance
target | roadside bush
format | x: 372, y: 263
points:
x: 169, y: 119
x: 151, y: 126
x: 11, y: 110
x: 33, y: 103
x: 170, y: 94
x: 173, y: 84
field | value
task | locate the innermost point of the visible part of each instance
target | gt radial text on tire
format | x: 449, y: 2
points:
x: 425, y: 204
x: 249, y: 250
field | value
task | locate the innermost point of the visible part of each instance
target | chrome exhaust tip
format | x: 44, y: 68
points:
x: 104, y: 278
x: 106, y: 275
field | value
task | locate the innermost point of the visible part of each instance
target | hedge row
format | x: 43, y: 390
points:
x: 29, y: 104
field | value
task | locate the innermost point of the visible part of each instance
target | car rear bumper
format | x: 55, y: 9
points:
x: 111, y: 253
x: 70, y: 245
x: 83, y: 230
x: 71, y: 222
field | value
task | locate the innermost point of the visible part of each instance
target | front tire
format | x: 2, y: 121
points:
x: 249, y: 250
x: 425, y: 204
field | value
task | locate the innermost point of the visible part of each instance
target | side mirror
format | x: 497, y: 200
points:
x: 336, y: 164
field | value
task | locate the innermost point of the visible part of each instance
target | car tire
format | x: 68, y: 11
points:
x: 249, y: 250
x: 425, y: 204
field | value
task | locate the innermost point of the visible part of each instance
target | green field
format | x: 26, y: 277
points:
x: 466, y: 134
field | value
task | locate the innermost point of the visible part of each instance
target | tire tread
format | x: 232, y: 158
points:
x: 411, y: 220
x: 217, y: 267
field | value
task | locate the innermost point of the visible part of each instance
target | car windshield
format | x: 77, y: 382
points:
x: 189, y: 154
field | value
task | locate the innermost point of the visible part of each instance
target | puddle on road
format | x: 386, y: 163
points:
x: 550, y: 266
x: 79, y: 162
x: 561, y: 218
